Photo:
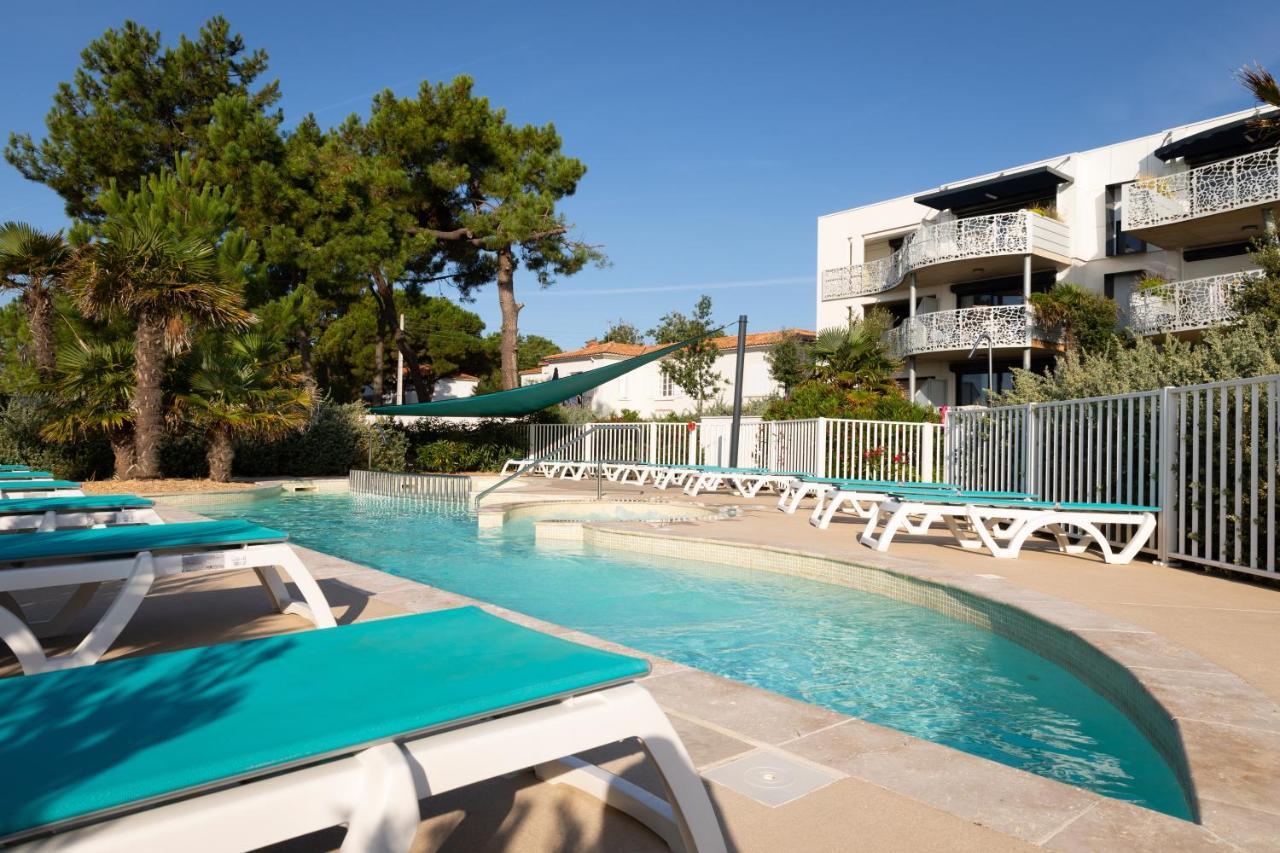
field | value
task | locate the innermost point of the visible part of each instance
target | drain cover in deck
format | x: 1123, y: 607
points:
x: 771, y: 778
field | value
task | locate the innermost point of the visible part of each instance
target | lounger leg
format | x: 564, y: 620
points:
x: 385, y: 818
x: 685, y: 791
x: 314, y: 606
x: 896, y: 518
x: 61, y: 621
x: 824, y: 516
x: 99, y: 639
x: 961, y: 537
x: 22, y: 642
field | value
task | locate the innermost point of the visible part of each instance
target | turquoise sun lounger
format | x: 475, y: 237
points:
x: 14, y: 468
x: 37, y: 488
x: 51, y: 513
x: 137, y: 555
x: 252, y: 743
x: 25, y: 475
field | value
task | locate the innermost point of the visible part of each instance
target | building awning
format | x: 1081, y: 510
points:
x: 1015, y: 186
x: 1232, y: 139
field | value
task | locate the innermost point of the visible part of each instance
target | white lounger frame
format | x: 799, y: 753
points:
x: 42, y: 493
x: 376, y: 792
x: 986, y: 524
x: 139, y: 573
x: 72, y: 518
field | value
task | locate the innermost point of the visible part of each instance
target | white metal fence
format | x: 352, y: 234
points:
x: 1205, y: 454
x: 829, y: 447
x: 659, y: 443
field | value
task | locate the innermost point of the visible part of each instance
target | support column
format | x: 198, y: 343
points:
x: 1026, y: 300
x: 911, y: 359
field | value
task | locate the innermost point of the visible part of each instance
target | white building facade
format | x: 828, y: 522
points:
x: 1162, y: 224
x: 651, y: 394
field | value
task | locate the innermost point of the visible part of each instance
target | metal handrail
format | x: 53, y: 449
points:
x: 547, y: 457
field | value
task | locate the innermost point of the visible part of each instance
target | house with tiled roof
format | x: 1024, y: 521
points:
x: 647, y: 390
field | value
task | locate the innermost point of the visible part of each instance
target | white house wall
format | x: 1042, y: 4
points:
x: 641, y: 389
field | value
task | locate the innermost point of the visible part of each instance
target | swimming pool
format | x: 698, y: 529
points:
x: 861, y: 654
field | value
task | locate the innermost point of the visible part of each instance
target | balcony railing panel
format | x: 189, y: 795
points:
x: 949, y: 240
x: 942, y: 331
x: 1195, y: 303
x: 1243, y: 181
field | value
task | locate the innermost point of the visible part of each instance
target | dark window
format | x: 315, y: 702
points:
x: 971, y: 385
x: 1208, y: 253
x: 1118, y: 285
x: 899, y: 309
x: 971, y: 377
x: 1118, y: 242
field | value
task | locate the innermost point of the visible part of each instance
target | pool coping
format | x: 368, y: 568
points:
x: 1210, y: 709
x: 1036, y: 809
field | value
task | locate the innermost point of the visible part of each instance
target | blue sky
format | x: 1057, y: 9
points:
x: 714, y: 133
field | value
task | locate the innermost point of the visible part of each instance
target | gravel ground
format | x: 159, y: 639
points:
x: 159, y: 487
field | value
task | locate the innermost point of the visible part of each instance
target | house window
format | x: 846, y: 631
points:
x: 1119, y: 286
x: 971, y: 385
x: 1118, y: 242
x: 668, y: 386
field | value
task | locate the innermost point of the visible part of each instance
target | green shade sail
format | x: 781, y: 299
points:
x: 533, y: 398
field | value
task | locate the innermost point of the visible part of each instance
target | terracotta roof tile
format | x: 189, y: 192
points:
x: 728, y: 342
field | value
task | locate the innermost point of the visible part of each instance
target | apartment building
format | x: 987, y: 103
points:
x: 651, y: 393
x: 1162, y: 224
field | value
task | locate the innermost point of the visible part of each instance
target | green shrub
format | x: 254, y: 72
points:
x: 448, y: 448
x: 21, y: 419
x: 332, y: 443
x: 816, y: 398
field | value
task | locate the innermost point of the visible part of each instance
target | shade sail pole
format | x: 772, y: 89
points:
x: 740, y: 369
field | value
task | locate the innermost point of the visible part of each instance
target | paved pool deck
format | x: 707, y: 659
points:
x: 874, y: 788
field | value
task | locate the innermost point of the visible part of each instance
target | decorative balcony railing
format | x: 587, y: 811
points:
x: 940, y: 331
x: 949, y: 240
x: 1180, y: 306
x: 1243, y: 181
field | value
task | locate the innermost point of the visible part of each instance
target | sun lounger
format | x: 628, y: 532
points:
x: 38, y: 488
x: 58, y: 512
x: 25, y: 475
x: 14, y: 468
x: 978, y: 523
x: 242, y: 745
x: 138, y: 556
x: 861, y: 500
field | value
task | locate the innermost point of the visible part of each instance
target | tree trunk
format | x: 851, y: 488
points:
x: 385, y: 295
x: 40, y: 318
x: 148, y: 400
x: 221, y: 454
x: 379, y: 367
x: 304, y: 358
x: 122, y: 449
x: 510, y: 318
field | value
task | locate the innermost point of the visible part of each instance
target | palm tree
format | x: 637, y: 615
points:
x: 35, y: 262
x: 167, y: 283
x: 1261, y: 83
x: 243, y: 387
x: 855, y: 356
x: 95, y: 390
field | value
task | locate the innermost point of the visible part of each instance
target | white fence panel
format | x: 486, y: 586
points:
x: 881, y: 450
x: 1222, y: 472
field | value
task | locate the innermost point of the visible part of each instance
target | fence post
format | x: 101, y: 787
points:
x: 820, y: 457
x: 1165, y: 479
x: 927, y: 435
x: 694, y: 437
x: 652, y: 455
x: 1029, y: 446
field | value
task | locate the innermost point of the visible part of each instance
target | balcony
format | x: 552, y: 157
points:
x: 1185, y: 306
x: 944, y: 252
x: 1219, y: 202
x: 948, y: 331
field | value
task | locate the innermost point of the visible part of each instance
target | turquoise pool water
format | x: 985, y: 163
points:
x: 871, y: 657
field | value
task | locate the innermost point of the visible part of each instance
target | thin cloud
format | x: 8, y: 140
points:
x: 672, y: 288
